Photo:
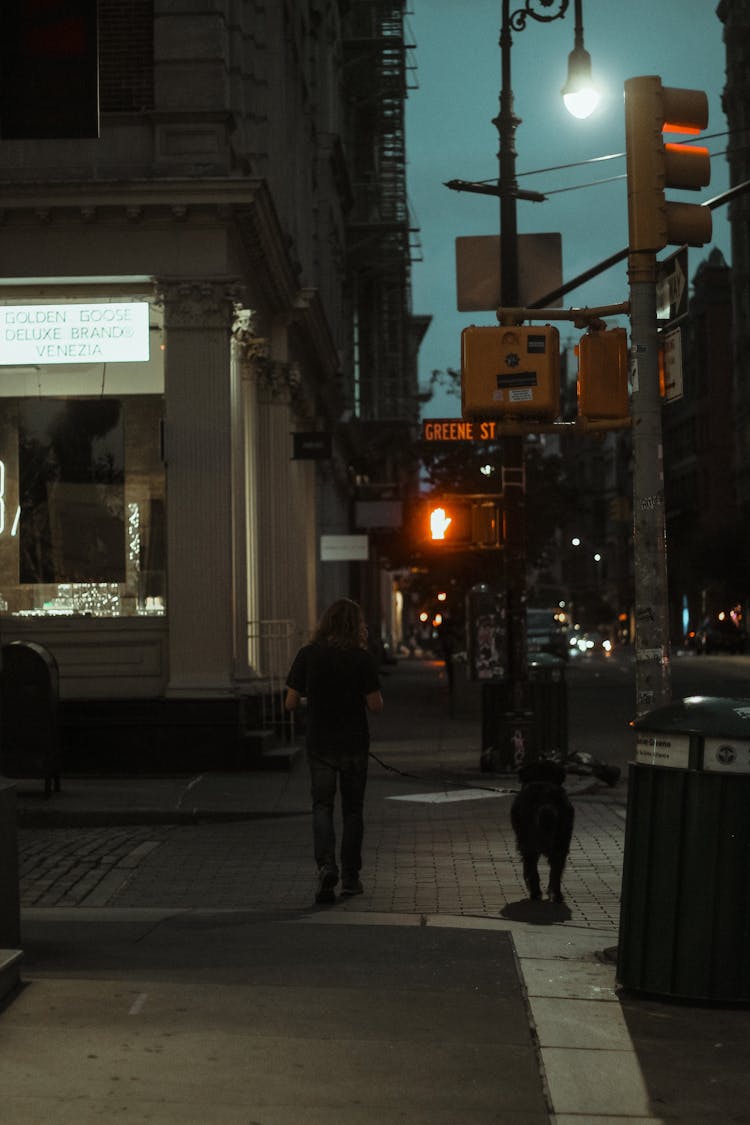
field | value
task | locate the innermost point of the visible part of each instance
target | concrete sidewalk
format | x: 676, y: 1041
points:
x: 168, y: 883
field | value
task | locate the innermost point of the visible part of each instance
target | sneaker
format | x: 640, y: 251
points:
x: 327, y: 880
x: 351, y: 885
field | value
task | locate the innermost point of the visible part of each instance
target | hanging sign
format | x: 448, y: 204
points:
x: 311, y: 446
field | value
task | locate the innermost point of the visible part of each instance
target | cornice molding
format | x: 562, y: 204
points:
x: 247, y: 203
x: 130, y: 195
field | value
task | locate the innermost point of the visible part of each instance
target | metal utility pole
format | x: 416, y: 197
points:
x: 653, y: 676
x: 516, y: 725
x: 653, y: 223
x: 507, y: 722
x: 513, y: 475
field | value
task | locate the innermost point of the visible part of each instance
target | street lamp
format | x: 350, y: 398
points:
x: 513, y: 484
x: 579, y: 92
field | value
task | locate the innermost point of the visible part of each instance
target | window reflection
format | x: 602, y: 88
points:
x: 71, y: 475
x: 82, y: 506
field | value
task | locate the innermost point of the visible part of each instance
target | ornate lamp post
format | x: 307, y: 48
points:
x: 578, y: 92
x: 580, y: 98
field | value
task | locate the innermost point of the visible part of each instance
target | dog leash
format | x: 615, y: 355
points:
x: 452, y: 781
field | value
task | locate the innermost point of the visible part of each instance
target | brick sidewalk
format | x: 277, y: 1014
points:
x: 431, y: 844
x: 80, y: 866
x: 452, y: 857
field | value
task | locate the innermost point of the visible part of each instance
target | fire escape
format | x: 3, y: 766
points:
x: 379, y: 230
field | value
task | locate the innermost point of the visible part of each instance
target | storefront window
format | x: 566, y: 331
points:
x: 81, y: 478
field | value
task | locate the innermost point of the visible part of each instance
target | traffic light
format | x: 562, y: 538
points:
x: 445, y: 522
x: 654, y: 165
x: 486, y: 523
x: 603, y: 373
x: 49, y: 69
x: 510, y: 371
x: 460, y: 521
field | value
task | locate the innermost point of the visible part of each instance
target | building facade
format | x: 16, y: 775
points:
x: 735, y: 15
x: 243, y: 214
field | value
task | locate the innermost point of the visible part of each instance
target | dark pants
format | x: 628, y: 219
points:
x: 350, y: 771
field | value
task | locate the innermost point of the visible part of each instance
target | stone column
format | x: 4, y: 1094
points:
x: 201, y: 576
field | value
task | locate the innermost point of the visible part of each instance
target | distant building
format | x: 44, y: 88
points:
x: 704, y: 535
x: 706, y: 433
x: 735, y: 14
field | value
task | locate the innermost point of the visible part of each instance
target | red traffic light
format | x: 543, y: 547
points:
x: 652, y: 165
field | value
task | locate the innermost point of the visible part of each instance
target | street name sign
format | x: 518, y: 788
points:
x: 457, y: 429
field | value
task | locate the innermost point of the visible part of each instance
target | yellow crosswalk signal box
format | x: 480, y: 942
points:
x: 510, y: 371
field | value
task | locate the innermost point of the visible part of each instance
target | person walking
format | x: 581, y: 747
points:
x: 338, y: 677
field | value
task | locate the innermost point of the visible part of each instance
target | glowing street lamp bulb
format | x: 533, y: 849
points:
x: 575, y: 541
x: 579, y: 92
x: 581, y: 103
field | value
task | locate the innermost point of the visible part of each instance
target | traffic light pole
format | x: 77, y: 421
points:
x: 513, y: 474
x: 653, y: 673
x: 654, y: 165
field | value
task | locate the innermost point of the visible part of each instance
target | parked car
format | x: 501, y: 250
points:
x: 720, y: 634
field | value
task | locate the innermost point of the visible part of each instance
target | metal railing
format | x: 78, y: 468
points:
x: 271, y: 647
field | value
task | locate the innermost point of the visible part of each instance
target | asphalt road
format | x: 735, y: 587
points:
x: 601, y: 696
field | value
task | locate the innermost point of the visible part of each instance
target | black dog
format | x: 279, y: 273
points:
x: 542, y: 819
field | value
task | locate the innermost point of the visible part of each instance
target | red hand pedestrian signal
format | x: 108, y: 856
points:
x: 440, y: 521
x: 459, y: 522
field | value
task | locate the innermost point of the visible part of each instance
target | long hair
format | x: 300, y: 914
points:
x: 342, y: 626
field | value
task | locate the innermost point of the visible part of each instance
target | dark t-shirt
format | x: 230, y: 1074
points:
x: 335, y: 682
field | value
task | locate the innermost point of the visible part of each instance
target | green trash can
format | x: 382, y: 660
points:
x: 685, y: 905
x: 548, y: 701
x: 545, y: 722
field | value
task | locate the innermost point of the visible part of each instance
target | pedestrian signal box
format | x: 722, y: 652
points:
x: 460, y: 521
x: 510, y: 371
x: 603, y: 374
